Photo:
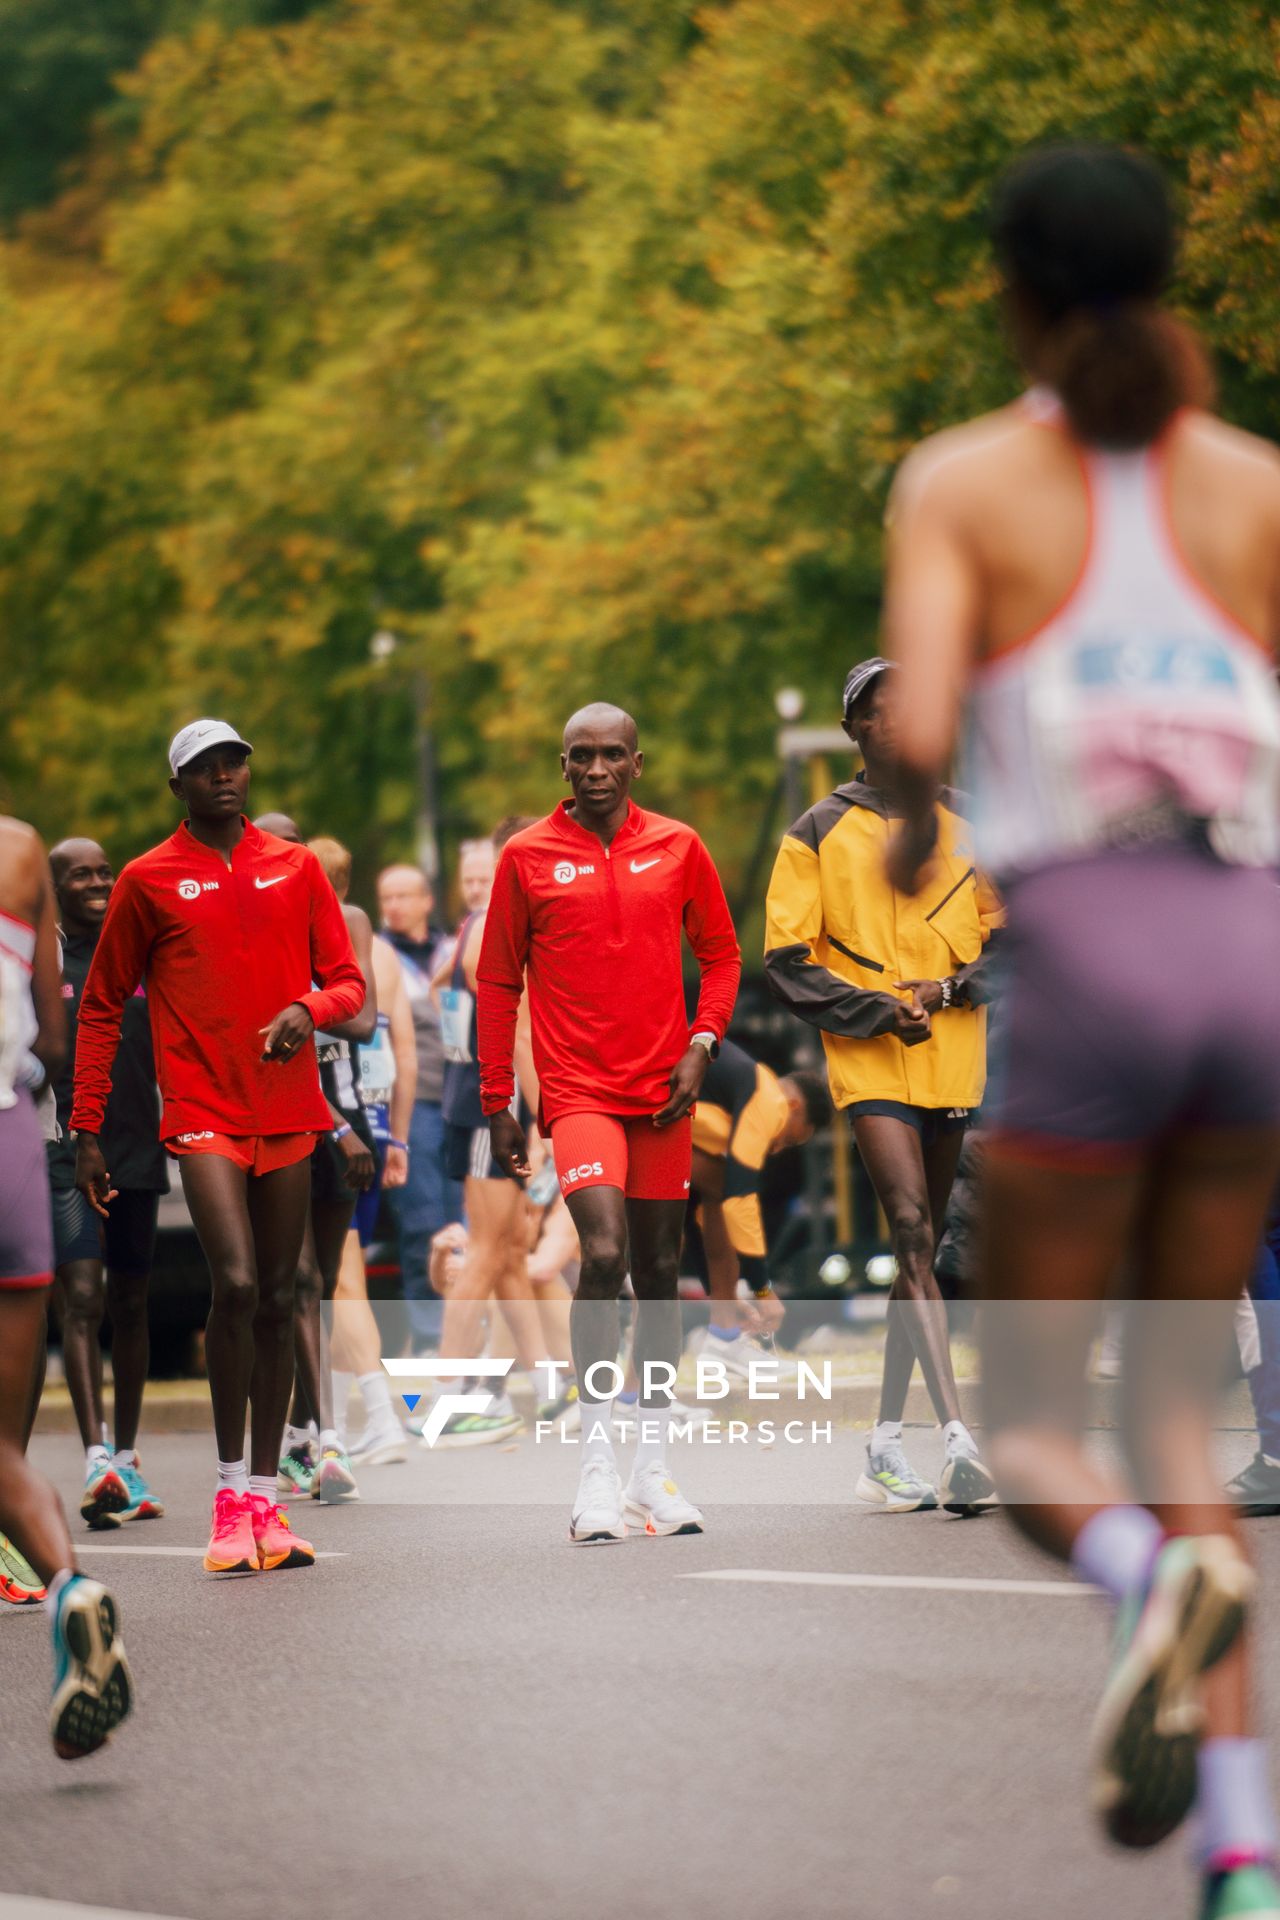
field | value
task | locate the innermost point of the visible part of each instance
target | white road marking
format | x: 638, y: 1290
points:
x: 25, y: 1906
x: 164, y: 1553
x: 919, y: 1582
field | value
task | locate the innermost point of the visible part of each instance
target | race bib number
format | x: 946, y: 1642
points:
x: 455, y: 1025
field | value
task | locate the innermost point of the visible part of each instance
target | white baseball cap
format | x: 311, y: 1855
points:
x: 200, y: 734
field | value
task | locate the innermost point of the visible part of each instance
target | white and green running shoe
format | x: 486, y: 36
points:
x: 296, y: 1470
x: 477, y: 1429
x: 333, y: 1481
x: 889, y: 1480
x: 1149, y: 1724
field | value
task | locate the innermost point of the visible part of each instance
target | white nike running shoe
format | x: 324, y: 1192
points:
x: 655, y: 1504
x: 737, y: 1355
x: 597, y: 1511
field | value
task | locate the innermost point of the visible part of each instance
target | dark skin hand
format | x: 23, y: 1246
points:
x: 92, y: 1177
x: 359, y: 1170
x: 290, y: 1029
x: 911, y: 1020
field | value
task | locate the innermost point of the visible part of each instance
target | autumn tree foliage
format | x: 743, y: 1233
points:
x: 573, y: 342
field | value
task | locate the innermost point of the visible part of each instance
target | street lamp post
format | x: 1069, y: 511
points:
x: 383, y: 647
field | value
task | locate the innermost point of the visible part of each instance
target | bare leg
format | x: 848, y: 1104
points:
x: 30, y: 1510
x: 278, y: 1205
x: 1060, y: 1236
x: 494, y: 1263
x: 78, y: 1302
x: 1207, y: 1209
x: 216, y: 1191
x: 908, y: 1190
x: 356, y: 1346
x: 130, y: 1350
x: 600, y: 1216
x: 656, y: 1231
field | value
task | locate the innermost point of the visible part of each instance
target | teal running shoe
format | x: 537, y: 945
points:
x: 297, y: 1468
x: 92, y: 1685
x: 20, y: 1584
x: 889, y: 1480
x: 105, y: 1497
x: 143, y: 1504
x: 333, y: 1481
x: 1188, y: 1615
x: 1247, y: 1892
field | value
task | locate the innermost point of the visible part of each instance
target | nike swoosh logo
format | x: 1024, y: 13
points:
x: 642, y: 866
x: 271, y: 883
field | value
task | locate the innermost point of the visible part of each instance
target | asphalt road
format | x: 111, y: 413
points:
x: 461, y: 1713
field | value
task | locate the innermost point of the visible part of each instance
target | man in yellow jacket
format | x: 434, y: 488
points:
x: 895, y: 984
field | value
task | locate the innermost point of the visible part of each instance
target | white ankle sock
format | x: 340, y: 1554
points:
x: 326, y: 1438
x: 262, y: 1486
x: 234, y: 1474
x: 1115, y: 1547
x: 1235, y: 1813
x: 295, y: 1436
x: 97, y: 1457
x: 125, y: 1457
x: 58, y: 1582
x: 956, y: 1438
x: 886, y: 1433
x: 375, y: 1391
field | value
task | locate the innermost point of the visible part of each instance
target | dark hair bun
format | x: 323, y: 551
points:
x: 1085, y: 234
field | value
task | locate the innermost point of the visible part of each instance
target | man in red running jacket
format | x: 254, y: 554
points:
x: 232, y: 928
x: 589, y: 906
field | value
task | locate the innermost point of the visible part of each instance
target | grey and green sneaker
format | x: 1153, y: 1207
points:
x: 1148, y: 1726
x: 889, y: 1480
x: 296, y: 1470
x: 966, y: 1485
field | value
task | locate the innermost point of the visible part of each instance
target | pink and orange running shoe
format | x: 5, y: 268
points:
x: 277, y: 1544
x: 232, y: 1547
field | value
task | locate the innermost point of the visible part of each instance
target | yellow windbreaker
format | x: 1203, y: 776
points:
x: 837, y: 938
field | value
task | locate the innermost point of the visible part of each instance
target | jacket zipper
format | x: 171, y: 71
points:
x: 967, y: 875
x: 859, y: 959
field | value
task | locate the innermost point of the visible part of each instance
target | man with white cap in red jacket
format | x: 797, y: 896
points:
x: 233, y: 928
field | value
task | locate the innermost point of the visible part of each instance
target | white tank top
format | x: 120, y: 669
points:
x: 18, y: 1066
x: 1138, y: 709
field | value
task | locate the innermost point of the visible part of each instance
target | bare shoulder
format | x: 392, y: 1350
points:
x: 1240, y: 458
x: 942, y: 470
x: 357, y: 919
x: 24, y: 869
x: 19, y: 841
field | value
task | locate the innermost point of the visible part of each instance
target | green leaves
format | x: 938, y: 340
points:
x: 574, y: 343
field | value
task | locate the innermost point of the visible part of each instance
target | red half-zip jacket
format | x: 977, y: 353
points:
x: 224, y: 948
x: 597, y: 931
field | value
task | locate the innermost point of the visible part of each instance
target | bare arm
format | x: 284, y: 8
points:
x: 393, y: 999
x: 933, y: 595
x: 362, y: 1025
x: 525, y: 1071
x: 50, y: 1044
